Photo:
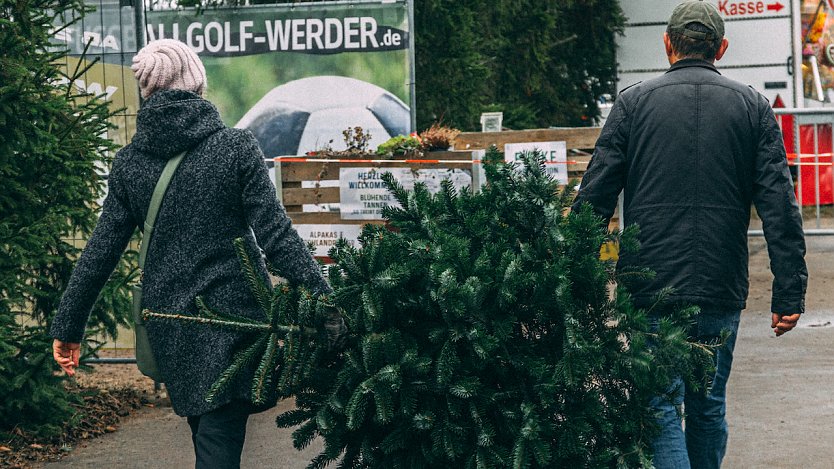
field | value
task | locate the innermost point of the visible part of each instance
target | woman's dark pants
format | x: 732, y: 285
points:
x: 218, y: 436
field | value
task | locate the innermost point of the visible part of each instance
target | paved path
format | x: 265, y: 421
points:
x: 159, y: 439
x: 781, y: 390
x: 781, y: 396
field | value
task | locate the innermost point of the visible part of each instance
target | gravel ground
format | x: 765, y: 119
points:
x: 780, y: 404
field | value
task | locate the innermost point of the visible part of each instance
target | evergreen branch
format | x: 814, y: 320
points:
x: 309, y: 364
x: 263, y: 375
x: 259, y: 290
x: 293, y: 417
x: 240, y: 361
x: 148, y: 315
x: 400, y: 194
x: 209, y: 313
x: 300, y: 356
x: 290, y: 359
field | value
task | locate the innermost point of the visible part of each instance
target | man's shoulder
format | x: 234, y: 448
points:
x: 637, y: 90
x: 737, y: 86
x: 642, y: 87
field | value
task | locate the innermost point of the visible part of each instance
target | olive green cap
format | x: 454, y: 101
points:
x: 696, y: 11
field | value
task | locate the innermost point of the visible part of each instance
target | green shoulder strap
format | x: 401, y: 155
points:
x: 156, y: 201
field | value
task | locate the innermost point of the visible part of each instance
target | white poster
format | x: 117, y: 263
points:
x: 556, y: 156
x: 324, y: 237
x: 362, y: 193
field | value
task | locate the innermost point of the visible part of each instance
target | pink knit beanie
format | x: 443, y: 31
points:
x: 168, y: 64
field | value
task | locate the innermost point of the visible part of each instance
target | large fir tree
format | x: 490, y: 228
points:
x: 50, y: 142
x: 485, y: 333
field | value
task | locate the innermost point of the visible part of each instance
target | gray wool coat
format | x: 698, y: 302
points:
x: 219, y: 191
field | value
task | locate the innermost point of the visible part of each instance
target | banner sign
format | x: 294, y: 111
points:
x: 363, y: 194
x: 110, y: 37
x: 324, y: 237
x: 110, y: 29
x: 299, y: 75
x: 260, y: 33
x: 555, y: 153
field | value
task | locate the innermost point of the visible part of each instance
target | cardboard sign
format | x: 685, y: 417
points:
x: 363, y: 194
x: 324, y: 237
x: 556, y: 156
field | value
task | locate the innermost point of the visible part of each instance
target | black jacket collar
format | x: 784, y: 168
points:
x: 686, y: 63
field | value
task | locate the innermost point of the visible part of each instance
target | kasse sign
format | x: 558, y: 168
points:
x: 728, y: 8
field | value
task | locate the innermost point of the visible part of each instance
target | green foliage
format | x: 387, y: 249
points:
x: 541, y: 63
x: 50, y: 143
x: 284, y: 347
x: 485, y: 333
x: 451, y: 61
x: 34, y: 397
x: 399, y: 146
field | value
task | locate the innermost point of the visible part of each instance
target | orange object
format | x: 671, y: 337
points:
x: 818, y: 27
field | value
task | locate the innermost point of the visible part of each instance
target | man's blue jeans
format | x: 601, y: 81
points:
x: 703, y: 444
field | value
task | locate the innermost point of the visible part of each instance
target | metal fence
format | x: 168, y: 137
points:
x: 809, y: 143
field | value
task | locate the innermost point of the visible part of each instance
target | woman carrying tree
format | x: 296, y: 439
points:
x: 219, y: 192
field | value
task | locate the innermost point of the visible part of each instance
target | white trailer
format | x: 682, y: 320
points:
x: 764, y: 37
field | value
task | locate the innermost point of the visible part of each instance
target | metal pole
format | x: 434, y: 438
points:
x: 157, y: 386
x: 279, y: 180
x: 798, y: 152
x: 139, y: 17
x: 476, y: 172
x: 817, y: 171
x: 812, y: 232
x: 412, y: 66
x: 796, y: 43
x: 110, y: 361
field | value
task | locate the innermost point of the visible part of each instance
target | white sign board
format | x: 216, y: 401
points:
x: 492, y: 121
x: 363, y: 194
x: 555, y: 154
x: 324, y: 237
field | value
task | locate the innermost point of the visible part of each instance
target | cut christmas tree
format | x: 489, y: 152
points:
x: 485, y: 333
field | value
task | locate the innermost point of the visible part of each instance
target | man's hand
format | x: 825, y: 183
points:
x: 336, y: 329
x: 67, y: 355
x: 782, y: 323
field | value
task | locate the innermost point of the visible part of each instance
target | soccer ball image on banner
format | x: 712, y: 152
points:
x: 309, y: 114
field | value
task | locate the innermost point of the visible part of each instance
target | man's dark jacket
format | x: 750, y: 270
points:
x: 693, y: 150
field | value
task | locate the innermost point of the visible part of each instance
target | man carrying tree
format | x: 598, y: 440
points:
x: 693, y: 150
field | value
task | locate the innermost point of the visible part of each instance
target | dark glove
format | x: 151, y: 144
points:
x: 336, y: 329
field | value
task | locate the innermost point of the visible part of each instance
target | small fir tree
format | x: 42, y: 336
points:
x: 485, y: 333
x: 50, y: 142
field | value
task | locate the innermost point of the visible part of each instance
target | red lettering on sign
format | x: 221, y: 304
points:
x: 775, y: 6
x: 726, y: 8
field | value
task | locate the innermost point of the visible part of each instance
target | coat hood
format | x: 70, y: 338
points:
x: 172, y: 121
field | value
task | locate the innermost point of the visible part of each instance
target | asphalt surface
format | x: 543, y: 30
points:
x: 780, y: 399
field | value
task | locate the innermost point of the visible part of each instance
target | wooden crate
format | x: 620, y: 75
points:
x: 294, y: 176
x: 292, y: 173
x: 583, y: 138
x: 579, y: 140
x: 295, y: 171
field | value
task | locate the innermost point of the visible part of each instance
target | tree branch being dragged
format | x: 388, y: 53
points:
x: 279, y: 347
